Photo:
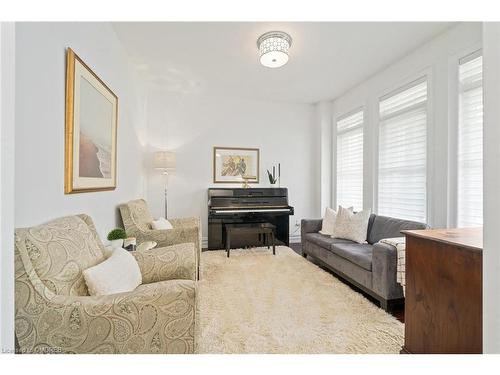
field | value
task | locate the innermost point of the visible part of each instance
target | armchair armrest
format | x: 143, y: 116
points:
x: 118, y: 323
x: 384, y: 267
x: 167, y: 263
x: 185, y: 230
x: 185, y: 222
x: 174, y: 236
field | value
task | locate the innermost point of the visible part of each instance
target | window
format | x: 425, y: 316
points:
x: 470, y: 141
x: 402, y: 152
x: 350, y: 160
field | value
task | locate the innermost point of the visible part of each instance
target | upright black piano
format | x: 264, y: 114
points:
x: 244, y: 206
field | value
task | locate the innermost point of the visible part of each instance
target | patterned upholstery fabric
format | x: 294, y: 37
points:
x: 137, y: 222
x: 172, y: 262
x: 55, y: 314
x: 60, y: 250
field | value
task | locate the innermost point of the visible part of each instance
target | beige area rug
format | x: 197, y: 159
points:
x: 255, y: 302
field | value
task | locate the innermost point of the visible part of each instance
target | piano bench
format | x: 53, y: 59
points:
x: 261, y: 229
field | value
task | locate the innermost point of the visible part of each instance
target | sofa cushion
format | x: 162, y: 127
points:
x: 351, y: 225
x: 323, y: 240
x: 389, y: 227
x: 328, y: 221
x: 359, y: 254
x: 118, y: 274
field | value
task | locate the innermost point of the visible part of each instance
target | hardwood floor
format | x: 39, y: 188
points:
x: 398, y: 313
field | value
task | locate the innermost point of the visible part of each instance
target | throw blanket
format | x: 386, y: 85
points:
x: 400, y: 244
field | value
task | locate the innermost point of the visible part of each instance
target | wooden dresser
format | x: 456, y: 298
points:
x: 443, y: 302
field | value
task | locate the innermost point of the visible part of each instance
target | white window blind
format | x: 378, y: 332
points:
x: 470, y: 141
x: 350, y: 160
x: 402, y: 152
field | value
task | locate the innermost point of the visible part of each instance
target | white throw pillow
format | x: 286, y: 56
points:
x: 117, y: 274
x: 329, y: 221
x: 351, y: 226
x: 161, y: 223
x: 108, y: 251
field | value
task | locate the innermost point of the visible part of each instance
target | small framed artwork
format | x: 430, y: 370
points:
x: 91, y: 122
x: 233, y: 165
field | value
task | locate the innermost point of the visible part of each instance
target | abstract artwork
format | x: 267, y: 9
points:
x: 91, y: 122
x: 233, y: 165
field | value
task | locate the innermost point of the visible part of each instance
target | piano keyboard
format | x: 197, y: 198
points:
x: 250, y: 211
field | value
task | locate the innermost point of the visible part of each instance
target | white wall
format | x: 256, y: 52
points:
x: 40, y: 109
x: 324, y: 118
x: 491, y: 151
x: 191, y: 124
x: 433, y: 59
x: 7, y: 90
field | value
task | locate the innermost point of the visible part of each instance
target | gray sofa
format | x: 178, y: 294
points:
x: 370, y: 266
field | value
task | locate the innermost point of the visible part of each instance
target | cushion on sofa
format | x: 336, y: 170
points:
x: 351, y: 225
x: 390, y: 227
x: 359, y: 254
x: 323, y: 240
x: 328, y: 221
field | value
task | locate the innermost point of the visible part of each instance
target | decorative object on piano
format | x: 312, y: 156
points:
x: 232, y: 164
x: 165, y: 161
x: 91, y: 122
x: 273, y: 178
x: 247, y: 178
x: 116, y: 237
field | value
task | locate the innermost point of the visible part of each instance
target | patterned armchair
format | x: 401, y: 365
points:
x: 54, y: 313
x: 137, y: 222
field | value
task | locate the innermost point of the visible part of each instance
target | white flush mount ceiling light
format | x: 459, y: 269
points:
x: 273, y: 48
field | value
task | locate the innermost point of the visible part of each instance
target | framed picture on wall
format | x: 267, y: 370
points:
x: 234, y: 164
x: 91, y: 122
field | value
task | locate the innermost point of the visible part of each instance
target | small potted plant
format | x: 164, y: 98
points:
x: 116, y: 237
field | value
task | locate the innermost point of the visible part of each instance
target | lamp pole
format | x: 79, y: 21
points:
x: 165, y: 162
x: 165, y: 173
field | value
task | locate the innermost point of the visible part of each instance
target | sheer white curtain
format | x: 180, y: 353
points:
x: 350, y: 160
x: 402, y: 152
x: 470, y: 141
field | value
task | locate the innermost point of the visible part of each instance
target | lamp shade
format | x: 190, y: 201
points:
x: 164, y: 160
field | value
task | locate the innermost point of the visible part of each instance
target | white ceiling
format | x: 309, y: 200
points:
x: 218, y: 58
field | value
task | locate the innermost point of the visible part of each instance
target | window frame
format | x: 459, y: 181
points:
x: 402, y: 85
x: 453, y: 129
x: 362, y: 109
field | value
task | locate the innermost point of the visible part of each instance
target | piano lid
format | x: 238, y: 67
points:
x: 247, y: 198
x: 250, y: 192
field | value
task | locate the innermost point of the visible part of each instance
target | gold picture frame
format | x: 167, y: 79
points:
x: 90, y: 130
x: 236, y: 165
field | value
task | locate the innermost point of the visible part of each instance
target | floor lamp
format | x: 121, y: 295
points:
x: 165, y: 162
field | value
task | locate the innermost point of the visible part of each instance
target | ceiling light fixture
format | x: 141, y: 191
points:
x: 273, y: 48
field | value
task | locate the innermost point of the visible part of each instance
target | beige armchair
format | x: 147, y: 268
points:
x: 54, y: 313
x: 137, y: 222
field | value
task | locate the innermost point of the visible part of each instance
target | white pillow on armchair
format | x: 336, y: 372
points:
x: 161, y: 223
x: 117, y: 274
